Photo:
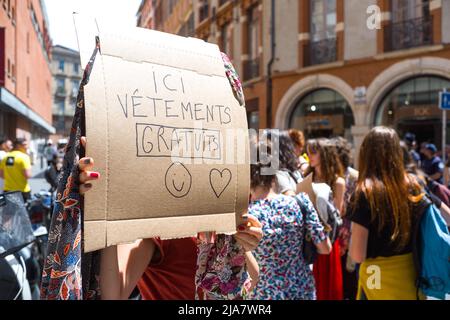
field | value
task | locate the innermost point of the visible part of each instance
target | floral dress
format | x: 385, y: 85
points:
x: 283, y: 273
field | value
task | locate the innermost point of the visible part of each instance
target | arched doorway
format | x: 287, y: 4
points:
x: 323, y: 113
x: 412, y: 106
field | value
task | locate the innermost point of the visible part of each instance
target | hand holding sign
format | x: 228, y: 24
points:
x: 168, y: 137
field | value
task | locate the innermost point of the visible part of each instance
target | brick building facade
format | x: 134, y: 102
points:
x: 25, y: 77
x: 332, y: 67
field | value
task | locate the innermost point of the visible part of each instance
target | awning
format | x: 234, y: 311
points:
x: 11, y: 101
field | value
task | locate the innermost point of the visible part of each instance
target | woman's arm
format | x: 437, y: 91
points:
x: 252, y: 268
x: 339, y: 194
x: 121, y: 266
x: 445, y: 213
x: 358, y: 243
x: 324, y: 247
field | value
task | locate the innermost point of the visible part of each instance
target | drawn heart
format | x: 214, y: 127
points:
x: 219, y: 180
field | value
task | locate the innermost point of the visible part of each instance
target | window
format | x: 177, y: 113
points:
x: 251, y: 67
x: 204, y: 10
x: 322, y: 47
x: 61, y: 65
x: 60, y: 87
x: 60, y: 83
x: 225, y: 36
x: 9, y: 69
x: 75, y: 86
x: 253, y: 32
x: 411, y: 26
x: 323, y: 19
x: 60, y: 123
x: 403, y: 10
x: 13, y: 72
x: 76, y: 68
x: 61, y: 107
x: 252, y: 107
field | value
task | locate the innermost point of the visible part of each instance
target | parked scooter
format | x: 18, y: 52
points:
x: 40, y: 208
x: 21, y: 248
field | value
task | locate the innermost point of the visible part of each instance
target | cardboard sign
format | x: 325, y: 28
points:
x: 167, y: 136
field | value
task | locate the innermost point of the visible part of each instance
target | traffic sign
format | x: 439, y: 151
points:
x: 444, y: 100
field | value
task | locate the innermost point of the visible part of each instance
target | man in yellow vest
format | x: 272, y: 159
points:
x: 15, y: 168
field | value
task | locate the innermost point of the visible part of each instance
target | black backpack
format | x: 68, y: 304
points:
x: 332, y: 225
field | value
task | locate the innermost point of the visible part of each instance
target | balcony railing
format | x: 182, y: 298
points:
x: 319, y: 52
x: 409, y: 34
x: 60, y: 91
x: 251, y: 69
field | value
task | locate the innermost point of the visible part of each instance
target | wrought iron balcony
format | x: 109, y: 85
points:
x: 251, y: 69
x: 408, y: 34
x: 319, y: 52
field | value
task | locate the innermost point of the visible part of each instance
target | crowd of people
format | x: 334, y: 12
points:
x: 16, y: 166
x: 376, y: 204
x: 316, y: 225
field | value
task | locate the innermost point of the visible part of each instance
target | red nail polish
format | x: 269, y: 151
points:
x: 94, y: 175
x: 241, y: 228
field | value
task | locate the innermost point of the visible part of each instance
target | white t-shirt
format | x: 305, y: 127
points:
x: 285, y: 181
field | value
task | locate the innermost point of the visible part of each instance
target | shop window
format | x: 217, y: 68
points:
x: 323, y: 113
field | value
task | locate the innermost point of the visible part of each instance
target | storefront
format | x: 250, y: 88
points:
x: 412, y: 106
x: 323, y: 113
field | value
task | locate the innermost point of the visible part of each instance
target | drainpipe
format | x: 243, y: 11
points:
x: 269, y: 90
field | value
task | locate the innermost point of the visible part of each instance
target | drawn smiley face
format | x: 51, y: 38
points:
x: 178, y: 180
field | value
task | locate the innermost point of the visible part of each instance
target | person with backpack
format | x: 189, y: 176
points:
x: 383, y: 218
x: 52, y: 172
x: 283, y: 272
x: 287, y: 176
x: 325, y: 168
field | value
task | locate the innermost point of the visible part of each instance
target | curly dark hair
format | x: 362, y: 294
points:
x: 343, y: 149
x: 286, y: 150
x: 264, y: 160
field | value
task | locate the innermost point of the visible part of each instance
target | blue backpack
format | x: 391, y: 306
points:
x: 431, y: 250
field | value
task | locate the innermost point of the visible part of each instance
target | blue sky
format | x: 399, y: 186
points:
x: 62, y: 29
